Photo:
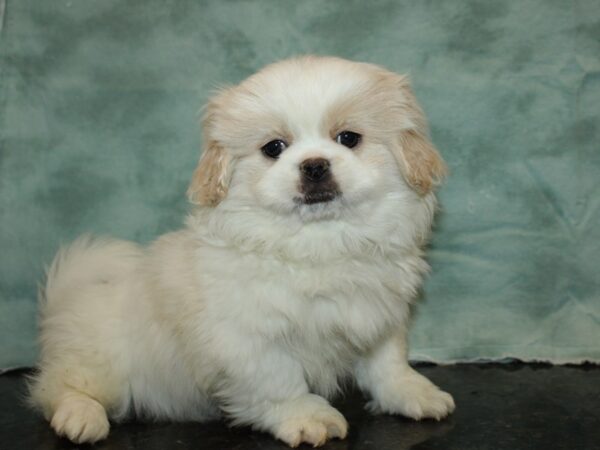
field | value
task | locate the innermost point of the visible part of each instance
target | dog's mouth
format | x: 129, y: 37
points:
x: 319, y: 204
x: 310, y: 198
x: 320, y: 192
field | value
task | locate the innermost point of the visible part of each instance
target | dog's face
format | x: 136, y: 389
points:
x: 317, y: 137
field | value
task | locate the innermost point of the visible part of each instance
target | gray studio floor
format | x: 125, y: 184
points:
x: 499, y: 406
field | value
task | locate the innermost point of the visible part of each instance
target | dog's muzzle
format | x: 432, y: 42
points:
x: 317, y: 183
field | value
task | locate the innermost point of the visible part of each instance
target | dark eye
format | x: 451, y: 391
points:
x: 348, y: 139
x: 274, y: 148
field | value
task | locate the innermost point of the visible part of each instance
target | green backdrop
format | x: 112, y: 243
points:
x: 99, y: 107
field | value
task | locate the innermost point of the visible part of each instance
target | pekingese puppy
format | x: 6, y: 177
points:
x: 295, y: 272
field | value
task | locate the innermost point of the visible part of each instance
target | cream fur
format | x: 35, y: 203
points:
x: 260, y: 308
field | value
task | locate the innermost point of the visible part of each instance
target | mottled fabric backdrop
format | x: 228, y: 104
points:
x: 99, y: 132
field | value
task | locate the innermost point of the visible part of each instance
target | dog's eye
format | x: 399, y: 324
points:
x: 274, y: 148
x: 348, y: 139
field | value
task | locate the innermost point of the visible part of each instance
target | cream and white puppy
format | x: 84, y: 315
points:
x: 295, y: 271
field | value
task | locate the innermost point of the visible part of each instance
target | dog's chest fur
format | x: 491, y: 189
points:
x: 324, y: 314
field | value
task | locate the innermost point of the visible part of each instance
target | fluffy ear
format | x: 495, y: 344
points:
x: 421, y: 164
x: 210, y: 181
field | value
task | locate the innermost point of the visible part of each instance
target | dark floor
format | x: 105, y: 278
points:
x: 511, y: 406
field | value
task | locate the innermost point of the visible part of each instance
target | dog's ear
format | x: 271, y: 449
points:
x: 421, y: 164
x: 210, y: 181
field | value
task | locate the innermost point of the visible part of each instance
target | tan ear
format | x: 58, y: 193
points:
x: 422, y: 165
x: 210, y: 181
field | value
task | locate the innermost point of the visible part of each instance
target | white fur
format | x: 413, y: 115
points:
x: 260, y: 308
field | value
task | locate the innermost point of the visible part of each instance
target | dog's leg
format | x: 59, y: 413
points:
x: 396, y: 388
x: 80, y: 418
x: 270, y: 393
x: 75, y: 399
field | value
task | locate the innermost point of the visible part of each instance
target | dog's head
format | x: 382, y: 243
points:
x: 316, y: 137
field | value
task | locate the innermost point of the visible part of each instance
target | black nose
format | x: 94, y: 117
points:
x: 315, y: 169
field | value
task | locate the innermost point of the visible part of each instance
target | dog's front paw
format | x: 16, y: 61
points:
x: 314, y: 421
x: 413, y: 396
x: 80, y: 419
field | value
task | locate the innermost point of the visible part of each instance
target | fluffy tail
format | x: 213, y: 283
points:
x: 87, y: 261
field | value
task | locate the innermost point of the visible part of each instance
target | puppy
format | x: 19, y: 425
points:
x: 295, y: 272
